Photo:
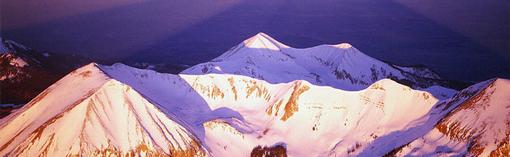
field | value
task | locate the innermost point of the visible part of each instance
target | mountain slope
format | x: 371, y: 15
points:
x: 98, y: 116
x: 340, y: 66
x: 222, y: 115
x: 479, y: 126
x: 233, y: 115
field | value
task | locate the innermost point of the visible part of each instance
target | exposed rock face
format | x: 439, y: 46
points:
x: 479, y: 126
x: 291, y: 107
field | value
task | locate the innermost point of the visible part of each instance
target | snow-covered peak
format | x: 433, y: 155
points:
x: 341, y: 66
x: 343, y: 45
x: 264, y: 41
x: 87, y: 113
x: 233, y: 114
x: 82, y: 80
x: 214, y: 114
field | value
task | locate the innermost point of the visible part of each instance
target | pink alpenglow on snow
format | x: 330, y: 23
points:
x: 262, y: 98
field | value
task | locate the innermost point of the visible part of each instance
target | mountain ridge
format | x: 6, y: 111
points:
x: 254, y: 98
x: 260, y: 97
x: 477, y: 127
x: 341, y: 66
x: 102, y: 110
x: 225, y: 114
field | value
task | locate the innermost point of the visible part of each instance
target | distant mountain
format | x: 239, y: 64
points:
x: 24, y: 72
x: 479, y: 126
x: 340, y: 66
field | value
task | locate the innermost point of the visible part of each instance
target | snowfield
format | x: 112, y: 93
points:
x: 478, y: 127
x: 211, y: 113
x: 339, y: 66
x: 262, y: 97
x: 90, y: 114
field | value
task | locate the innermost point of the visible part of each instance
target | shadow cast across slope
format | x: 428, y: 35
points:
x: 172, y: 94
x: 197, y: 99
x: 193, y: 100
x: 393, y: 142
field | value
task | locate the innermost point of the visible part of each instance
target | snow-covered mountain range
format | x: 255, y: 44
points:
x: 340, y: 66
x: 262, y: 98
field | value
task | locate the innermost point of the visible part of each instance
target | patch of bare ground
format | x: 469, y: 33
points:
x: 273, y: 151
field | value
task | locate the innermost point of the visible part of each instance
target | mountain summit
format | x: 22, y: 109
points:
x: 340, y: 66
x: 120, y: 110
x: 264, y: 41
x: 262, y: 98
x: 88, y: 113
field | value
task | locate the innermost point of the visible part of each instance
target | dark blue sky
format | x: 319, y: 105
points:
x: 466, y: 40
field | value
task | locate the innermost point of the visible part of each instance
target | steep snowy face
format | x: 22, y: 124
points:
x: 299, y: 114
x: 233, y: 115
x: 264, y: 41
x: 340, y: 66
x: 479, y: 126
x: 88, y: 113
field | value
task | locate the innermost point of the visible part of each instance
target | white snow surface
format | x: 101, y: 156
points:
x: 223, y: 114
x: 90, y: 114
x: 328, y: 100
x: 480, y: 123
x: 232, y: 114
x: 340, y: 66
